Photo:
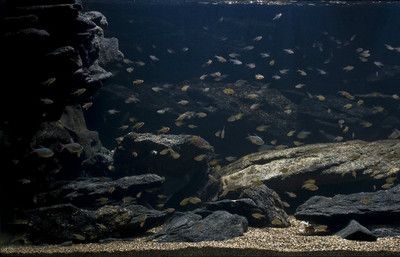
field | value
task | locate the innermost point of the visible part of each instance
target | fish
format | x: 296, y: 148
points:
x: 201, y: 114
x: 220, y: 133
x: 258, y: 216
x: 251, y: 65
x: 170, y: 51
x: 203, y: 77
x: 140, y: 63
x: 283, y: 71
x: 79, y: 92
x: 132, y: 99
x: 288, y: 51
x: 234, y: 55
x: 320, y: 98
x: 377, y: 109
x: 138, y: 125
x: 254, y: 107
x: 271, y: 63
x: 235, y: 61
x: 291, y: 194
x: 299, y: 86
x: 262, y: 128
x: 200, y: 157
x: 185, y: 88
x: 220, y: 59
x: 129, y: 69
x: 259, y: 77
x: 346, y: 94
x: 192, y: 126
x: 310, y: 185
x: 208, y: 62
x: 248, y: 48
x: 258, y: 38
x: 276, y: 222
x: 366, y: 124
x: 154, y: 58
x: 137, y: 82
x: 48, y: 82
x: 230, y: 158
x: 216, y: 74
x: 348, y: 68
x: 256, y: 140
x: 156, y: 89
x: 163, y: 111
x: 43, y: 152
x: 277, y: 16
x: 348, y: 106
x: 46, y: 101
x: 164, y: 130
x: 291, y: 133
x: 190, y: 200
x: 183, y: 102
x: 302, y: 72
x: 322, y: 72
x: 379, y: 64
x: 276, y: 77
x: 303, y: 134
x: 389, y: 47
x: 264, y: 55
x: 74, y: 148
x: 112, y: 112
x: 228, y: 91
x: 185, y: 49
x: 235, y: 117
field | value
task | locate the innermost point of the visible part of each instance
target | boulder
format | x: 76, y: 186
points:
x: 94, y: 192
x: 259, y: 204
x: 124, y: 221
x: 66, y: 222
x: 298, y: 173
x: 356, y: 231
x: 190, y: 227
x: 61, y: 223
x: 170, y: 156
x: 109, y: 51
x: 381, y: 207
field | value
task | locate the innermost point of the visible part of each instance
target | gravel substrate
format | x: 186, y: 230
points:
x: 256, y: 242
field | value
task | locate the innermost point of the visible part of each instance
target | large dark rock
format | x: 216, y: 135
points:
x: 129, y: 220
x: 320, y: 169
x: 93, y: 192
x: 259, y: 204
x: 190, y: 227
x: 356, y: 231
x: 381, y: 207
x: 170, y: 156
x: 62, y: 223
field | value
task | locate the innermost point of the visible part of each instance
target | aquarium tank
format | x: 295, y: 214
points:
x: 200, y: 128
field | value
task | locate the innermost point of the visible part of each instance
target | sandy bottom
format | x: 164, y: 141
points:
x: 256, y: 242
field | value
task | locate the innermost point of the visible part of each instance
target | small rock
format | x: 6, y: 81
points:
x: 355, y: 231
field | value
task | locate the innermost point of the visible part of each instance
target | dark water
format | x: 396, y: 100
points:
x: 325, y: 38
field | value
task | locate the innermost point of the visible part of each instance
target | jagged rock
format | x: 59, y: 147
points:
x: 60, y: 223
x: 268, y: 203
x: 97, y: 17
x: 381, y: 207
x: 65, y: 222
x: 109, y: 51
x: 190, y: 227
x: 129, y: 220
x: 184, y: 176
x: 386, y: 232
x: 98, y: 165
x: 335, y: 168
x: 355, y: 231
x: 94, y: 192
